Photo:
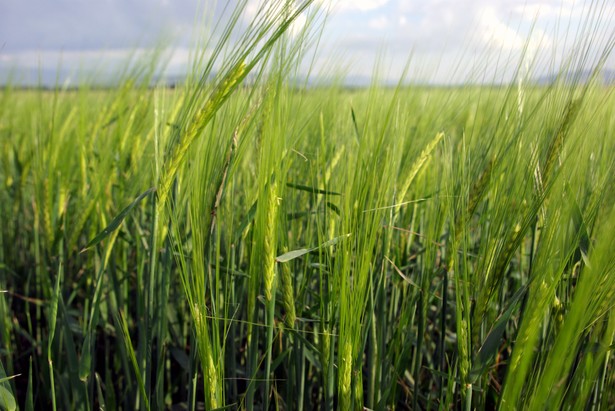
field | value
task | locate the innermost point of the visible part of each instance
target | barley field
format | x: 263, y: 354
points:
x: 245, y: 241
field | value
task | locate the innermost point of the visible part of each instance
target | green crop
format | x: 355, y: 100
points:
x: 245, y: 242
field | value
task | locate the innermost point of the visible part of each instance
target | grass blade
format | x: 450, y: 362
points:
x: 115, y: 223
x: 291, y: 255
x: 311, y: 190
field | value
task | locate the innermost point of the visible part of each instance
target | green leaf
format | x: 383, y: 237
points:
x: 99, y: 391
x: 333, y: 207
x: 312, y: 190
x: 7, y: 400
x: 279, y: 359
x: 354, y: 122
x: 30, y: 391
x: 291, y: 255
x: 8, y: 378
x: 85, y: 361
x: 117, y: 220
x: 299, y: 214
x: 491, y: 345
x: 53, y: 313
x: 333, y: 241
x: 122, y: 325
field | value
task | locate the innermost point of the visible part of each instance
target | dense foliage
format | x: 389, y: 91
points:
x: 245, y: 242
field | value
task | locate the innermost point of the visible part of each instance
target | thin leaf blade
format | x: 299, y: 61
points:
x: 117, y: 221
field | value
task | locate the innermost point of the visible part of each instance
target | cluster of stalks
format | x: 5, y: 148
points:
x: 246, y: 242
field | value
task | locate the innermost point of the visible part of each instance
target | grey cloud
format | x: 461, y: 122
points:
x: 90, y: 25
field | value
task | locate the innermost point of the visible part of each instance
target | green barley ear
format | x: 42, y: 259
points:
x: 197, y: 124
x: 210, y: 372
x: 288, y: 298
x: 478, y: 189
x: 269, y: 242
x: 464, y: 357
x: 47, y: 207
x: 477, y: 192
x: 418, y: 165
x: 326, y: 350
x: 555, y: 147
x: 346, y: 376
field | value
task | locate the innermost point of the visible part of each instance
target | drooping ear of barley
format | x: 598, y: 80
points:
x: 480, y: 186
x: 559, y: 138
x: 254, y: 46
x: 412, y: 172
x: 196, y: 126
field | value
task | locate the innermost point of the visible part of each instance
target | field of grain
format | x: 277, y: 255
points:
x: 244, y: 242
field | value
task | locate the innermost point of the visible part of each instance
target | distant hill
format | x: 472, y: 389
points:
x: 606, y: 77
x: 49, y: 78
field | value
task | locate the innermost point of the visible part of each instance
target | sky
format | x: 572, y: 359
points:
x: 444, y: 41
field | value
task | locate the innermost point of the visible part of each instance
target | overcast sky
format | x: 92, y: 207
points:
x: 447, y: 40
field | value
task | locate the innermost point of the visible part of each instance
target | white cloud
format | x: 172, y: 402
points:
x: 253, y: 7
x: 298, y: 25
x: 354, y: 5
x: 496, y: 34
x: 378, y: 23
x: 549, y: 9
